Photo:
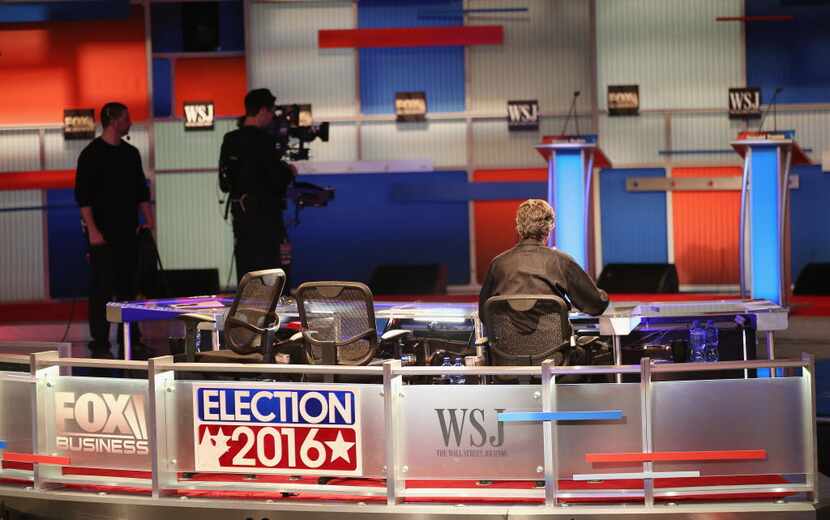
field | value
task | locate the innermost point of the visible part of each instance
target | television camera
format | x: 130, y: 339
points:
x: 289, y: 123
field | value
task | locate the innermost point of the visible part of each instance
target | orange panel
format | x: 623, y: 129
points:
x: 706, y: 229
x: 221, y: 80
x: 46, y: 67
x: 495, y: 228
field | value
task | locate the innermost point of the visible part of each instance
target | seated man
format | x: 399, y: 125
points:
x: 531, y: 267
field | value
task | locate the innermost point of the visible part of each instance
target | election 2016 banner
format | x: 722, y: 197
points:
x: 277, y: 428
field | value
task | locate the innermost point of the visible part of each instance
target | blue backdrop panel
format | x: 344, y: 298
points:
x: 791, y: 54
x: 167, y: 27
x: 162, y: 88
x: 231, y: 27
x: 633, y: 224
x: 438, y: 71
x: 567, y: 194
x: 808, y: 213
x: 68, y: 268
x: 63, y: 11
x: 364, y: 227
x: 765, y: 249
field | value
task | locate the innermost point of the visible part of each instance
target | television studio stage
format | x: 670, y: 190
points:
x: 198, y: 435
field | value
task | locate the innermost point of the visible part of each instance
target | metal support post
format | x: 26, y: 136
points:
x: 645, y: 417
x: 617, y: 355
x: 160, y: 379
x: 392, y: 393
x: 808, y: 400
x: 549, y: 433
x: 43, y: 403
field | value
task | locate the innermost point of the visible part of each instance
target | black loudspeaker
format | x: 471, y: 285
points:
x: 409, y: 279
x: 813, y: 279
x: 191, y: 282
x: 639, y: 278
x: 200, y: 26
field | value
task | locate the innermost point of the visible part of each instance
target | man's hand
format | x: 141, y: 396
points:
x: 96, y: 238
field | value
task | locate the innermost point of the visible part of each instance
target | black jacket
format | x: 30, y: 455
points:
x: 533, y: 268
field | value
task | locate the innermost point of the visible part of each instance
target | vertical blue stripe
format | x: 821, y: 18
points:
x: 162, y: 88
x: 765, y: 248
x: 68, y: 268
x: 231, y: 27
x: 810, y: 232
x: 167, y: 27
x: 633, y: 224
x: 437, y: 71
x: 565, y: 180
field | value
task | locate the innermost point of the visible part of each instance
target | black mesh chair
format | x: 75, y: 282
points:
x: 527, y: 329
x: 338, y: 324
x: 250, y: 325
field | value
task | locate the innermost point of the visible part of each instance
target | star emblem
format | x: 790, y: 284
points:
x: 339, y: 448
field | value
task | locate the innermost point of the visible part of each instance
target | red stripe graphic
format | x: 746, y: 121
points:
x: 32, y: 458
x: 411, y: 37
x: 677, y: 456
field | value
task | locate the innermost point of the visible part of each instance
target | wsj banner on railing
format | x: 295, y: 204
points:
x: 623, y: 100
x: 744, y: 102
x: 198, y: 115
x: 277, y: 428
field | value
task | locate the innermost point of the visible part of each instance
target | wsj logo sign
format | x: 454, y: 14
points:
x: 523, y: 115
x: 471, y: 432
x: 282, y: 429
x: 198, y: 115
x: 623, y: 100
x: 744, y: 102
x: 101, y: 423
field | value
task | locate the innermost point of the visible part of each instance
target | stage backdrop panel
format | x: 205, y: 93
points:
x: 633, y: 224
x: 706, y: 227
x: 437, y: 71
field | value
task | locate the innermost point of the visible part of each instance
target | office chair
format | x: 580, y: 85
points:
x: 250, y: 325
x: 527, y: 329
x: 338, y: 324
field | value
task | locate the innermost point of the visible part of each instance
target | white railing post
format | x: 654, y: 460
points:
x: 160, y: 382
x: 392, y: 390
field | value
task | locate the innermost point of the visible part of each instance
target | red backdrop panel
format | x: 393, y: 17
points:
x: 495, y: 220
x: 706, y: 229
x: 47, y: 67
x: 411, y: 37
x: 221, y: 80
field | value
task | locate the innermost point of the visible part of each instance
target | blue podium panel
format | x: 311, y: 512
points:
x: 566, y: 190
x: 765, y: 241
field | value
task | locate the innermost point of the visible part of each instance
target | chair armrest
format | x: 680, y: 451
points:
x: 391, y: 335
x: 482, y: 341
x: 193, y: 318
x: 295, y: 338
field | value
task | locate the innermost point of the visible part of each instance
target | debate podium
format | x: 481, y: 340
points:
x: 764, y: 241
x: 571, y: 161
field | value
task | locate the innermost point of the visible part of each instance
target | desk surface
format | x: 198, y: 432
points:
x: 619, y: 319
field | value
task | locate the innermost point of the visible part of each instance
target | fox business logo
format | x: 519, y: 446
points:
x: 79, y: 123
x: 410, y: 106
x: 101, y: 423
x: 198, y: 115
x: 623, y: 100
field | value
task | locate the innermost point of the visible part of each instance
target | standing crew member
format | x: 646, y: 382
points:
x: 251, y: 170
x: 110, y: 189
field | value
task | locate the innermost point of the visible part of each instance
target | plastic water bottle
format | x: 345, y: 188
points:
x: 459, y: 379
x: 444, y: 378
x: 697, y: 343
x: 712, y: 351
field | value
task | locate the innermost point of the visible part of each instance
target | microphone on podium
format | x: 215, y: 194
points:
x: 771, y: 105
x: 572, y: 113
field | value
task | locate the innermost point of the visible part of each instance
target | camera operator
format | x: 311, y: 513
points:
x: 252, y: 172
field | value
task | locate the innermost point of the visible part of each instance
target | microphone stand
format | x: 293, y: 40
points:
x: 771, y: 105
x: 572, y: 112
